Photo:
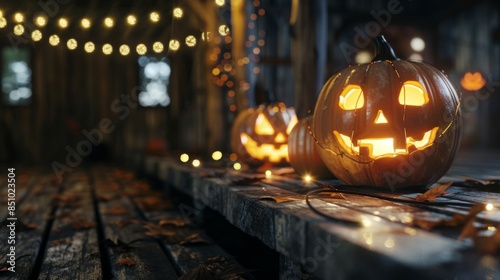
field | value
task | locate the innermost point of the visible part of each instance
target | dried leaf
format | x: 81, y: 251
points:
x: 158, y: 231
x: 119, y: 247
x: 81, y: 223
x: 124, y: 223
x: 154, y: 203
x: 117, y: 210
x: 431, y: 194
x: 125, y: 261
x: 106, y: 197
x: 66, y: 200
x: 333, y: 194
x: 195, y: 239
x: 5, y: 268
x: 456, y: 220
x: 468, y: 230
x: 60, y: 242
x: 173, y: 221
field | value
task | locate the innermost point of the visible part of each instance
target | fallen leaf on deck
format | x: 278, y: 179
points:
x: 468, y: 230
x: 124, y: 223
x: 117, y: 210
x: 60, y: 242
x: 333, y: 194
x: 106, y: 197
x: 154, y: 203
x: 195, y: 239
x: 158, y: 231
x: 119, y: 247
x: 66, y: 200
x: 125, y: 261
x: 431, y: 194
x: 456, y: 220
x: 172, y: 221
x: 28, y: 210
x: 81, y: 223
x: 5, y: 268
x: 20, y: 226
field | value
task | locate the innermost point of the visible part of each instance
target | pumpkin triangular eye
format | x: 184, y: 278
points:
x: 352, y: 98
x: 263, y: 126
x: 413, y: 94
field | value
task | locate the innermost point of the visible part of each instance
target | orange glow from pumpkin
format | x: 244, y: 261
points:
x: 472, y: 81
x: 384, y: 147
x: 413, y: 94
x: 352, y: 98
x: 263, y: 151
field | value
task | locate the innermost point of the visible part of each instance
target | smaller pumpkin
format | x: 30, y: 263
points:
x: 303, y: 152
x: 261, y: 135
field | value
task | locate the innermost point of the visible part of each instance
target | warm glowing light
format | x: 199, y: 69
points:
x: 389, y: 243
x: 36, y: 35
x: 307, y: 178
x: 141, y: 49
x: 237, y: 166
x: 85, y: 23
x: 41, y: 21
x: 263, y: 126
x: 63, y: 22
x: 263, y: 151
x: 217, y: 155
x: 416, y: 57
x: 124, y: 49
x: 178, y: 12
x: 489, y: 207
x: 205, y: 36
x: 268, y: 174
x: 54, y: 40
x: 3, y: 22
x: 18, y: 17
x: 417, y: 44
x: 472, y: 81
x: 174, y: 45
x: 223, y: 30
x: 380, y: 117
x: 18, y: 29
x: 413, y: 94
x: 363, y: 57
x: 190, y: 41
x: 109, y: 22
x: 196, y: 163
x: 184, y: 157
x: 352, y: 98
x: 131, y: 20
x: 107, y: 49
x: 233, y: 156
x: 89, y: 47
x: 157, y: 47
x: 71, y: 44
x: 220, y: 2
x: 154, y: 16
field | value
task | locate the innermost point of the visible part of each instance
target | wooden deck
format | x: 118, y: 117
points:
x: 102, y: 223
x: 369, y: 238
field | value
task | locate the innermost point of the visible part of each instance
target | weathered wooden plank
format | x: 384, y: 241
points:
x: 124, y: 231
x: 33, y: 214
x: 73, y: 246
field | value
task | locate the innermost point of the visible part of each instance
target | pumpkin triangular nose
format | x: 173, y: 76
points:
x: 380, y: 117
x: 280, y: 138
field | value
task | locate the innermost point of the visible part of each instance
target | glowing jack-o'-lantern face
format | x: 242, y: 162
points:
x: 261, y: 135
x: 472, y: 81
x: 388, y: 123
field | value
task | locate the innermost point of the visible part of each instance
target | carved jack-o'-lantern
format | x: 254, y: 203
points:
x: 472, y: 81
x: 261, y: 135
x: 388, y: 123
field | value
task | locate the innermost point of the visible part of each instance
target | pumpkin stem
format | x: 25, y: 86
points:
x: 383, y: 50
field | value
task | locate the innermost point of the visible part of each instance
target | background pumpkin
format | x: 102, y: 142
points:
x: 261, y: 135
x: 389, y: 123
x: 303, y: 153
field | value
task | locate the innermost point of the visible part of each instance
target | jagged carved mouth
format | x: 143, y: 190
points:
x: 384, y: 147
x: 273, y: 152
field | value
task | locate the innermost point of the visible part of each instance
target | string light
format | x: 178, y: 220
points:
x: 72, y: 44
x: 157, y: 47
x: 205, y: 36
x: 223, y: 30
x: 41, y: 21
x: 85, y: 23
x: 131, y: 20
x: 219, y: 2
x: 141, y: 49
x: 268, y: 174
x: 63, y: 23
x: 489, y: 207
x: 18, y: 17
x: 109, y: 22
x: 36, y: 35
x: 174, y: 45
x: 107, y: 49
x: 89, y: 47
x: 18, y: 29
x: 54, y: 40
x: 190, y: 41
x: 124, y: 49
x: 196, y: 163
x: 154, y: 17
x: 3, y: 22
x: 184, y: 157
x: 237, y: 166
x: 178, y: 12
x: 217, y: 155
